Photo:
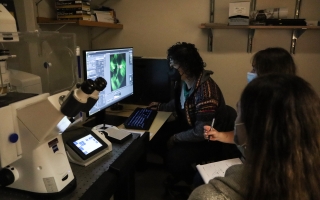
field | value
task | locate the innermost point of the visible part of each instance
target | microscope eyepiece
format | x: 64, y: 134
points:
x: 100, y: 83
x: 88, y: 86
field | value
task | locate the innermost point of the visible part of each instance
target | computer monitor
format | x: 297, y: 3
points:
x: 116, y: 67
x: 151, y: 81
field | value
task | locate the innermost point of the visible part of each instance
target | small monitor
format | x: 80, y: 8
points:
x: 86, y: 145
x: 116, y: 67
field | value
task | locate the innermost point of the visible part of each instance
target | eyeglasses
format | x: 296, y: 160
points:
x: 173, y: 64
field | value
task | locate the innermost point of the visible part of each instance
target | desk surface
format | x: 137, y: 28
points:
x: 160, y: 119
x: 87, y: 176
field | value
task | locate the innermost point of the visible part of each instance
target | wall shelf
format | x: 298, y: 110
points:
x: 297, y: 31
x: 90, y: 24
x: 225, y: 26
x: 43, y: 20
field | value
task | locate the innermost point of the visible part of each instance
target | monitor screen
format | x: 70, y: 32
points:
x: 151, y: 81
x: 116, y: 67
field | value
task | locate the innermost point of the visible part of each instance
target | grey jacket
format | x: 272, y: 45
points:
x: 228, y: 187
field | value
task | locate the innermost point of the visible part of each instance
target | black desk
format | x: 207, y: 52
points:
x: 113, y: 174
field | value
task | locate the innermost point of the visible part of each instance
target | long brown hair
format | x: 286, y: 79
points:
x: 281, y: 114
x: 273, y: 60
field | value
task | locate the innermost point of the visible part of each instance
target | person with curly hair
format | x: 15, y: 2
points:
x: 197, y: 100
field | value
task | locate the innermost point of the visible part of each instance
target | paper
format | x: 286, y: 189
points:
x: 215, y: 169
x: 116, y: 133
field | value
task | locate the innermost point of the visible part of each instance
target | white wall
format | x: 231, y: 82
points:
x: 151, y: 27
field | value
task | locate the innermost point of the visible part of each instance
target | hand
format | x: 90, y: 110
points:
x: 153, y: 105
x: 214, y: 135
x: 210, y: 133
x: 170, y: 142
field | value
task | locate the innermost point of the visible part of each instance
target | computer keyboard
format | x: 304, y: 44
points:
x: 141, y: 119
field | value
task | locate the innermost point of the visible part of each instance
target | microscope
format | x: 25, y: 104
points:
x: 33, y: 157
x: 8, y: 33
x: 32, y: 152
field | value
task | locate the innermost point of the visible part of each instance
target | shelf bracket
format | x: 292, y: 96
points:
x: 62, y: 26
x: 210, y: 39
x: 210, y: 31
x: 95, y: 37
x: 297, y: 9
x: 296, y: 33
x: 251, y: 31
x: 98, y: 35
x: 37, y: 3
x: 250, y: 38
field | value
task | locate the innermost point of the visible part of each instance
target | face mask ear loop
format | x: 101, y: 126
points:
x: 237, y: 142
x: 236, y: 139
x: 2, y: 85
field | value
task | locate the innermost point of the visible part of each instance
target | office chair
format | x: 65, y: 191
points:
x: 225, y: 119
x: 224, y: 122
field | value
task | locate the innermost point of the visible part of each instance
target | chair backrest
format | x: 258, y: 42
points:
x: 224, y: 122
x: 225, y: 118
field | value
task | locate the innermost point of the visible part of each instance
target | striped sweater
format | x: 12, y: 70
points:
x: 200, y: 107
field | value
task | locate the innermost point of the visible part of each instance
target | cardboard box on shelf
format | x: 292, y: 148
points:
x: 105, y: 16
x: 239, y: 13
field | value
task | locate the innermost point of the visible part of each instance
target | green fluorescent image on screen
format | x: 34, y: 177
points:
x: 115, y: 65
x: 117, y: 71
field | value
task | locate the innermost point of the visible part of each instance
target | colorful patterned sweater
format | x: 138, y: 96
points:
x: 200, y: 107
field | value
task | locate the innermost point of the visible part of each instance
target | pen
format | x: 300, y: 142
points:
x: 212, y: 124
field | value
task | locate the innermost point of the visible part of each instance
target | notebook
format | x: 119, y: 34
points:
x: 215, y: 169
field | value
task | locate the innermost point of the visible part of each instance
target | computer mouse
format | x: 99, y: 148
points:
x: 105, y: 133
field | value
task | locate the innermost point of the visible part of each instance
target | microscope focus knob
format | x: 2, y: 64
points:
x: 8, y: 175
x: 13, y: 138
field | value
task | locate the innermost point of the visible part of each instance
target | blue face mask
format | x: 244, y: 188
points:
x: 251, y: 76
